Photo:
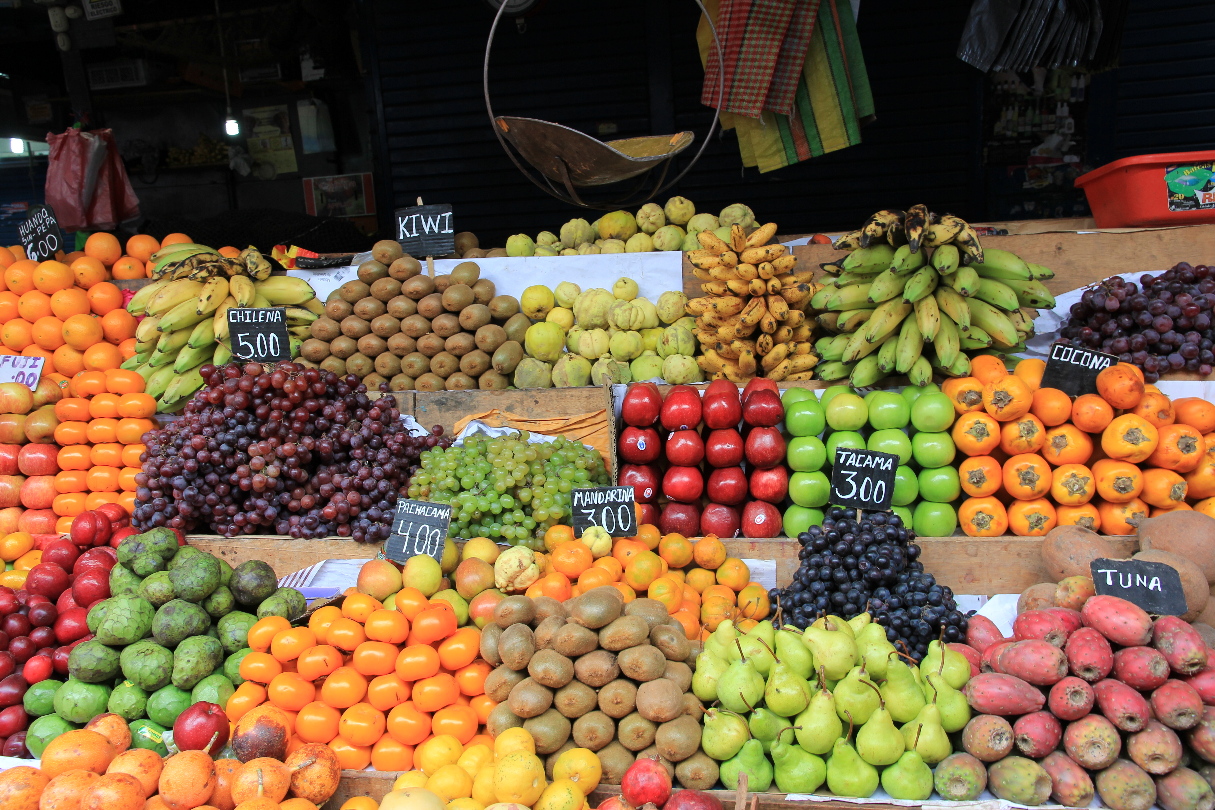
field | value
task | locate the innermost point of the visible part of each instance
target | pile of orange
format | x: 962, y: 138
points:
x: 698, y: 582
x: 1036, y: 458
x: 369, y: 682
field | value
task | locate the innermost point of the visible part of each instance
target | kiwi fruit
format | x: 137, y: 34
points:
x: 551, y: 668
x: 680, y: 673
x: 369, y: 308
x: 475, y: 363
x: 466, y: 273
x: 530, y: 699
x: 372, y: 271
x: 597, y: 668
x: 401, y: 382
x: 359, y: 364
x: 401, y: 307
x: 573, y: 640
x: 514, y: 610
x: 495, y: 253
x: 507, y: 356
x: 459, y: 381
x: 462, y: 343
x: 694, y: 649
x: 654, y: 612
x: 678, y: 739
x: 431, y: 306
x: 444, y: 364
x: 430, y: 344
x: 550, y: 730
x: 660, y: 700
x: 353, y: 291
x: 597, y: 608
x: 418, y: 287
x: 493, y: 381
x: 692, y: 706
x: 404, y: 268
x: 335, y: 364
x: 325, y: 328
x: 385, y: 326
x: 697, y: 772
x: 442, y: 282
x: 635, y: 732
x: 484, y: 291
x: 617, y: 698
x: 474, y: 316
x: 671, y: 642
x: 464, y: 242
x: 475, y: 253
x: 457, y: 297
x: 445, y: 325
x: 502, y: 718
x: 415, y: 326
x: 547, y: 606
x: 503, y: 307
x: 373, y: 381
x: 488, y: 338
x: 355, y: 327
x: 429, y: 382
x: 624, y: 632
x: 385, y: 289
x: 545, y: 630
x: 614, y: 760
x: 314, y: 350
x: 574, y: 699
x: 337, y: 309
x: 642, y: 663
x: 372, y: 345
x: 516, y: 326
x: 594, y: 730
x: 343, y: 347
x: 415, y: 364
x: 387, y: 364
x: 517, y: 646
x: 499, y: 682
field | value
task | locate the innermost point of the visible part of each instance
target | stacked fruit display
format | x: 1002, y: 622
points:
x: 891, y: 297
x: 28, y: 456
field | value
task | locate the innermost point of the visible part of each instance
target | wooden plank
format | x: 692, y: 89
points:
x: 448, y: 407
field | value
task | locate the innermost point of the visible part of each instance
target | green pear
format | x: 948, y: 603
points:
x: 942, y: 660
x: 848, y: 774
x: 763, y: 630
x: 796, y: 771
x: 786, y: 693
x: 833, y: 650
x: 740, y: 687
x: 902, y: 693
x: 765, y: 726
x: 859, y: 621
x: 952, y: 704
x: 857, y: 695
x: 819, y: 726
x: 874, y: 649
x: 751, y: 759
x: 926, y: 736
x: 724, y: 734
x: 792, y: 649
x: 709, y: 669
x: 721, y: 641
x: 758, y: 652
x: 909, y: 778
x: 878, y: 741
x: 833, y: 623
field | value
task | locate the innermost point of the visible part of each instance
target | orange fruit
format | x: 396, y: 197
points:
x: 128, y: 267
x: 118, y: 325
x: 142, y: 246
x: 48, y: 333
x: 17, y: 334
x: 138, y: 405
x: 68, y: 361
x: 88, y: 271
x: 52, y: 276
x: 7, y: 257
x: 123, y: 381
x: 66, y: 303
x: 104, y: 297
x: 104, y: 247
x: 102, y: 356
x: 175, y: 239
x: 103, y: 406
x: 19, y: 276
x: 34, y: 305
x: 9, y: 306
x: 127, y: 347
x: 81, y: 332
x: 229, y: 252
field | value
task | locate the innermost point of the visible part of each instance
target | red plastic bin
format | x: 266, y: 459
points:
x: 1173, y: 188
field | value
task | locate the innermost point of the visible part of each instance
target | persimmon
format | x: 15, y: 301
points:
x: 460, y: 648
x: 362, y: 724
x: 389, y: 755
x: 260, y: 667
x: 1007, y: 398
x: 976, y: 434
x: 434, y: 623
x: 407, y: 725
x: 1026, y: 476
x: 1163, y: 488
x: 345, y: 634
x: 1052, y: 406
x: 1157, y: 511
x: 287, y: 645
x: 387, y: 625
x: 289, y: 691
x: 983, y: 517
x: 1026, y: 434
x: 343, y: 688
x: 247, y: 696
x: 317, y: 662
x: 433, y: 693
x: 1155, y: 408
x: 1179, y: 448
x: 1117, y: 481
x: 1206, y: 506
x: 1085, y: 515
x: 965, y: 393
x: 317, y: 722
x: 263, y: 631
x: 417, y: 661
x: 351, y: 756
x: 372, y: 658
x: 358, y: 606
x: 1032, y: 518
x: 987, y: 368
x: 388, y: 691
x: 1120, y: 385
x: 980, y: 476
x: 1201, y: 479
x: 1072, y: 485
x: 1195, y: 412
x: 1130, y: 438
x: 1091, y: 413
x: 1030, y: 370
x: 1067, y: 444
x: 1122, y: 518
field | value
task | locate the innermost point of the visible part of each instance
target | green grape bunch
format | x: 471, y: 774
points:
x: 506, y: 488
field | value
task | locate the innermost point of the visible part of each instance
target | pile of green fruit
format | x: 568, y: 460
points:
x: 872, y: 716
x: 172, y: 633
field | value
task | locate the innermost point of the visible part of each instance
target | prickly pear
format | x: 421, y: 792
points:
x: 1071, y: 786
x: 1033, y: 661
x: 1071, y: 619
x: 1181, y: 644
x: 1156, y: 749
x: 1203, y: 682
x: 1019, y: 780
x: 1122, y: 705
x: 996, y: 693
x: 1092, y: 741
x: 1071, y: 698
x: 1037, y: 734
x: 1202, y: 736
x: 1118, y: 620
x: 1140, y: 667
x: 1177, y: 704
x: 988, y: 737
x: 1089, y: 655
x: 988, y: 662
x: 1125, y: 786
x: 1042, y: 625
x: 960, y: 778
x: 1184, y: 789
x: 981, y: 633
x: 967, y: 652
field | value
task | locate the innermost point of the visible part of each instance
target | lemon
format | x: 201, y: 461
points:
x: 412, y: 799
x: 483, y: 786
x: 410, y: 779
x: 465, y: 804
x: 511, y: 740
x: 519, y: 778
x: 443, y: 749
x: 450, y: 782
x: 561, y: 795
x: 474, y: 757
x: 581, y: 766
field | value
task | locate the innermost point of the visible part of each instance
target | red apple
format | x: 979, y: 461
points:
x: 722, y: 410
x: 720, y: 520
x: 682, y: 518
x: 684, y: 484
x: 117, y: 515
x: 48, y: 579
x: 613, y: 803
x: 727, y: 485
x: 38, y: 492
x: 121, y: 534
x: 10, y: 490
x: 763, y: 409
x: 692, y: 800
x: 201, y: 727
x: 719, y: 387
x: 770, y: 484
x: 10, y: 519
x: 724, y: 448
x: 643, y: 479
x: 761, y: 519
x: 91, y: 586
x: 639, y: 445
x: 685, y: 448
x: 765, y: 447
x: 646, y: 782
x: 37, y: 521
x: 39, y: 459
x: 641, y: 405
x: 681, y: 408
x: 63, y: 553
x: 8, y: 459
x: 758, y: 384
x: 12, y: 427
x: 71, y: 625
x: 647, y: 513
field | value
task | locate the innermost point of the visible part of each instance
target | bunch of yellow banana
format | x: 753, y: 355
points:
x: 751, y: 320
x: 185, y: 326
x: 199, y: 263
x: 918, y: 292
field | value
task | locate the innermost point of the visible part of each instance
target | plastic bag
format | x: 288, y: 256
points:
x: 114, y: 199
x: 985, y: 31
x: 86, y: 182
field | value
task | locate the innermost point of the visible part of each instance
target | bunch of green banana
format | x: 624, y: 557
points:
x: 915, y: 297
x: 185, y: 326
x: 199, y: 263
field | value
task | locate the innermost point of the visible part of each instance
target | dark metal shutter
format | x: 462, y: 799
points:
x: 20, y: 182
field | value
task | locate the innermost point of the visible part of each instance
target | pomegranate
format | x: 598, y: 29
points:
x: 646, y: 781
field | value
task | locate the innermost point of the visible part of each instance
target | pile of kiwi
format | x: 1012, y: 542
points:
x: 396, y: 324
x: 594, y: 672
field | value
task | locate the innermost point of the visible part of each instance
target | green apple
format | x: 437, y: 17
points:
x: 932, y: 412
x: 906, y: 486
x: 844, y: 438
x: 798, y: 519
x: 805, y: 417
x: 934, y: 519
x: 796, y: 394
x: 809, y: 488
x: 887, y: 410
x: 940, y: 484
x: 933, y: 449
x: 806, y: 454
x: 890, y: 440
x: 847, y: 412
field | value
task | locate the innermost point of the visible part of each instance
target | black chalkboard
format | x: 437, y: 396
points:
x: 259, y: 334
x: 426, y: 230
x: 1073, y: 369
x: 863, y: 479
x: 611, y: 508
x: 1153, y: 586
x: 418, y: 527
x: 40, y: 234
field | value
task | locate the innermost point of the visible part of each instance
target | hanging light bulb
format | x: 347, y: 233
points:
x: 16, y: 146
x: 231, y: 126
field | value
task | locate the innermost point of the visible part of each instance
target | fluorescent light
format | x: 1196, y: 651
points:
x: 16, y: 146
x: 232, y: 126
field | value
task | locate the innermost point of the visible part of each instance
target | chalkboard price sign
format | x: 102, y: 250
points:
x: 1153, y: 586
x: 1073, y: 369
x: 613, y: 509
x: 426, y: 230
x: 40, y: 234
x: 418, y: 528
x: 863, y: 479
x: 259, y: 334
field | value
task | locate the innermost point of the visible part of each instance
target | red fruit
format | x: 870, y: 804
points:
x: 12, y: 689
x: 987, y: 737
x: 22, y: 649
x: 1203, y: 683
x: 647, y: 513
x: 1184, y: 789
x: 1118, y: 620
x: 683, y: 484
x: 65, y: 601
x: 613, y: 803
x: 643, y: 478
x: 720, y: 520
x: 691, y: 800
x: 1156, y: 749
x: 681, y: 518
x: 1140, y: 667
x: 981, y: 633
x: 118, y: 515
x: 42, y: 614
x: 724, y: 448
x: 13, y: 720
x: 761, y: 519
x: 1201, y: 739
x: 1041, y: 625
x: 681, y: 408
x: 1033, y: 661
x: 1005, y: 695
x: 641, y: 405
x: 727, y: 485
x: 771, y: 484
x: 1072, y: 620
x: 201, y: 727
x: 48, y: 579
x: 1092, y: 741
x: 1089, y: 655
x: 91, y: 586
x: 61, y: 552
x: 646, y: 782
x: 764, y: 447
x: 1177, y: 705
x: 1071, y: 786
x: 987, y: 663
x: 121, y: 534
x: 85, y: 528
x: 1070, y: 698
x: 637, y: 446
x: 685, y: 448
x: 720, y: 387
x: 8, y: 664
x: 38, y: 668
x: 16, y: 624
x: 763, y: 409
x: 758, y: 384
x: 721, y: 411
x: 14, y: 746
x: 1180, y: 643
x: 970, y: 653
x: 1122, y: 705
x: 42, y: 637
x: 39, y: 459
x: 1037, y: 734
x: 8, y: 458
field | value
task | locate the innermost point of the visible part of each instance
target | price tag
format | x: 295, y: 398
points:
x: 1153, y: 586
x: 417, y: 528
x: 20, y: 369
x: 426, y: 230
x: 40, y: 234
x: 863, y: 479
x: 259, y: 334
x: 1073, y: 370
x: 613, y: 509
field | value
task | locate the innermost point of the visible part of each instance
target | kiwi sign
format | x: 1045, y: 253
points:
x: 426, y: 230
